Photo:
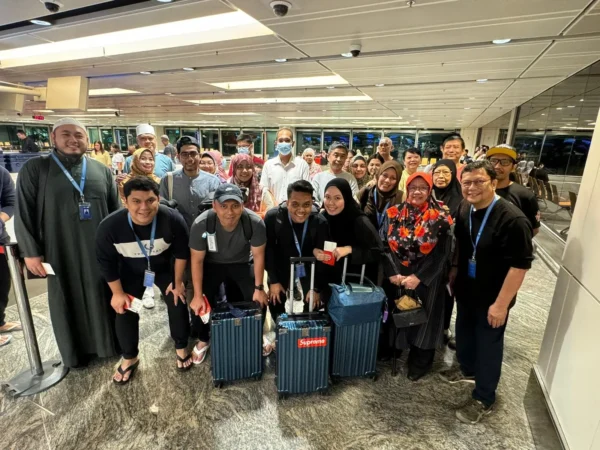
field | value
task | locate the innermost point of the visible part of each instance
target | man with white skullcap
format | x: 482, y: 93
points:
x: 146, y: 138
x: 61, y: 200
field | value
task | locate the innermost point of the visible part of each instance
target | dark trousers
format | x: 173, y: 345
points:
x: 279, y: 308
x: 4, y: 286
x: 239, y: 285
x: 448, y: 308
x: 128, y: 327
x: 479, y: 349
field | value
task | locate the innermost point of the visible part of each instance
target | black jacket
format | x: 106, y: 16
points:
x: 29, y: 146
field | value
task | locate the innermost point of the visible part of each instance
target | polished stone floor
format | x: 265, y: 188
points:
x: 164, y: 409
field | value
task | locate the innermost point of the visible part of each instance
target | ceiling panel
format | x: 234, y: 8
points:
x: 12, y: 11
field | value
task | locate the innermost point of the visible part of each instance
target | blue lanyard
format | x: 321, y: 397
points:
x: 299, y: 245
x: 485, y: 218
x: 380, y: 215
x: 81, y: 184
x: 142, y: 248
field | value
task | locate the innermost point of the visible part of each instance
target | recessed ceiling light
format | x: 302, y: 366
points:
x: 270, y: 100
x: 168, y: 93
x: 482, y: 80
x: 582, y: 100
x: 43, y: 110
x: 324, y: 110
x: 327, y: 80
x: 543, y: 114
x: 221, y: 92
x: 164, y: 1
x: 558, y: 109
x: 111, y: 91
x: 330, y: 87
x: 189, y: 69
x: 258, y: 90
x: 281, y: 60
x: 467, y: 108
x: 570, y: 106
x: 229, y: 114
x: 145, y: 72
x: 43, y: 23
x: 102, y: 110
x: 501, y: 41
x: 347, y: 55
x: 379, y: 85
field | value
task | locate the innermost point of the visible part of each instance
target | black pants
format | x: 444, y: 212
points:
x: 128, y: 327
x: 448, y: 307
x: 239, y: 285
x: 479, y: 349
x: 4, y: 286
x: 420, y: 360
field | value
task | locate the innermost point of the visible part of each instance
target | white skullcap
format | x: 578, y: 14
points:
x: 144, y: 128
x: 68, y: 121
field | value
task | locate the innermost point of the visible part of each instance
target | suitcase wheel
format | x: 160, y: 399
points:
x: 218, y: 384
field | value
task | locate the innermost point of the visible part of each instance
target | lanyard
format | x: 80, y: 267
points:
x: 142, y: 248
x: 299, y: 245
x: 81, y: 184
x: 380, y: 215
x: 485, y: 218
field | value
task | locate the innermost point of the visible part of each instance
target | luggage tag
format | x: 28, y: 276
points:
x: 472, y: 269
x: 85, y: 211
x: 300, y: 270
x: 148, y: 278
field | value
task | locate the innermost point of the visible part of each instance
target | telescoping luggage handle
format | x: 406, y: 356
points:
x: 293, y: 262
x: 362, y: 273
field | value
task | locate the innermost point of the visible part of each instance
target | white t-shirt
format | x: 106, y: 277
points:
x: 276, y: 177
x: 116, y: 159
x: 320, y: 181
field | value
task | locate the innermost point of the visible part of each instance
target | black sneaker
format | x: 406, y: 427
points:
x: 473, y: 412
x: 455, y: 375
x: 452, y: 344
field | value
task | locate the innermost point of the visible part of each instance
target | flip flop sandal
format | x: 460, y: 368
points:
x: 122, y: 371
x: 183, y: 361
x: 201, y: 353
x: 4, y: 340
x: 15, y: 326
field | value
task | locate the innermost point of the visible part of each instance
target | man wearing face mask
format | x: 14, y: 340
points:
x: 61, y: 200
x: 245, y: 146
x: 281, y: 171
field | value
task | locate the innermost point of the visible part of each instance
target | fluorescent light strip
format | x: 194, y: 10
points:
x: 83, y: 115
x: 229, y: 114
x: 102, y: 110
x: 341, y: 118
x: 328, y: 80
x: 111, y: 91
x: 233, y: 101
x: 200, y: 30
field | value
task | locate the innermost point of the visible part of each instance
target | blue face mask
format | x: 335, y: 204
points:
x: 284, y: 148
x: 243, y: 150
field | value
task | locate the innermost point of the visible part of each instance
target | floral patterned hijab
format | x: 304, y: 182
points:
x: 414, y: 231
x: 254, y: 190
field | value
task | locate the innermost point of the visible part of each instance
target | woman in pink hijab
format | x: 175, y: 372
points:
x: 212, y: 162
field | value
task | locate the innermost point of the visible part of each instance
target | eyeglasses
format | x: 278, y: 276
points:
x: 418, y: 189
x: 445, y: 173
x: 502, y: 162
x: 187, y: 155
x: 476, y: 183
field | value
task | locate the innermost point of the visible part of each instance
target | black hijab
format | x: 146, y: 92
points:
x: 341, y: 226
x: 451, y: 195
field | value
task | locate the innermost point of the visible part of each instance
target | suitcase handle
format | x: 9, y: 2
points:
x: 362, y: 271
x: 293, y: 261
x: 362, y: 279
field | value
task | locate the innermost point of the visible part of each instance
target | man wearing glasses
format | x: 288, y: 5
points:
x: 503, y: 159
x: 494, y: 251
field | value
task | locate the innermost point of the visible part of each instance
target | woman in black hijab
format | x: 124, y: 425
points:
x: 350, y: 229
x: 446, y: 187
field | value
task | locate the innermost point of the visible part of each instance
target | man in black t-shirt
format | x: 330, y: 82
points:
x: 135, y: 248
x: 494, y: 251
x: 503, y: 159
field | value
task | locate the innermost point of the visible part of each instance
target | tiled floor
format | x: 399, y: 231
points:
x: 163, y: 409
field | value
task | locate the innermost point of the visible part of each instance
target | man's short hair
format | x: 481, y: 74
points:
x: 285, y: 129
x: 140, y: 184
x: 413, y: 150
x: 481, y: 164
x: 164, y: 136
x: 386, y: 139
x: 308, y: 150
x: 336, y: 145
x: 115, y: 146
x: 245, y: 138
x: 454, y: 137
x: 20, y: 132
x: 300, y: 186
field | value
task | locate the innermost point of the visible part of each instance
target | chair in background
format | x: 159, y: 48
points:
x: 560, y: 201
x: 573, y: 201
x: 542, y: 193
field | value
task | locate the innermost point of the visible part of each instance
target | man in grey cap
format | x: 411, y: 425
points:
x: 221, y: 240
x: 146, y: 138
x: 61, y: 200
x: 169, y: 150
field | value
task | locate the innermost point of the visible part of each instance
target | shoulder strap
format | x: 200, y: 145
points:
x: 211, y: 222
x: 170, y: 184
x: 246, y: 225
x: 281, y: 216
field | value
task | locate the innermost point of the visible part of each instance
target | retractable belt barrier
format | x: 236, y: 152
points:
x: 41, y: 375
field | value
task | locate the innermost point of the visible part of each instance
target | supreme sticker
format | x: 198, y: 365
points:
x: 312, y: 342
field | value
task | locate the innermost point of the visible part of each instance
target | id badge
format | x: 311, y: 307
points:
x: 300, y: 270
x: 148, y: 278
x: 211, y: 241
x: 85, y: 211
x: 472, y: 270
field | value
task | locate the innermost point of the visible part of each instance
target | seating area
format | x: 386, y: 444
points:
x: 554, y: 206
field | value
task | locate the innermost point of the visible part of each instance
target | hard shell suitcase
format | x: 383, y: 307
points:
x: 356, y: 311
x: 236, y: 342
x: 303, y: 346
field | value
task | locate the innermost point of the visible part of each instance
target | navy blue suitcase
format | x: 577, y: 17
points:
x: 303, y: 346
x: 356, y: 311
x: 236, y: 342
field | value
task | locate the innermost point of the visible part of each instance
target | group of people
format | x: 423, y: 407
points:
x: 449, y: 233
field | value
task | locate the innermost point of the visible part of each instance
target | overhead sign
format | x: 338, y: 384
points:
x: 38, y: 117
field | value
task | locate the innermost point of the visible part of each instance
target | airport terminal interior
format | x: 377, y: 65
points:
x: 523, y: 73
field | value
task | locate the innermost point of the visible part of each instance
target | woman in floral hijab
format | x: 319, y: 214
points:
x: 419, y: 240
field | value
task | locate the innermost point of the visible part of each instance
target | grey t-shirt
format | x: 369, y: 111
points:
x: 232, y: 247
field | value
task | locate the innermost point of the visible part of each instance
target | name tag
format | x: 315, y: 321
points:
x: 472, y: 268
x: 85, y: 211
x: 300, y: 270
x: 211, y: 241
x: 148, y: 278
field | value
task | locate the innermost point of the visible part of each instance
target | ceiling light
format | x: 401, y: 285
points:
x: 347, y: 55
x: 85, y: 115
x: 582, y: 100
x: 43, y: 23
x: 189, y: 69
x: 471, y: 98
x: 102, y: 110
x: 570, y: 107
x: 111, y: 91
x: 146, y: 73
x: 200, y: 30
x: 330, y: 87
x: 467, y: 108
x: 341, y: 118
x: 501, y: 41
x: 229, y: 114
x: 221, y: 92
x: 482, y: 80
x: 258, y: 90
x: 543, y: 114
x: 281, y: 60
x: 558, y: 109
x: 327, y: 80
x: 164, y: 1
x: 43, y: 110
x: 270, y: 100
x: 379, y: 85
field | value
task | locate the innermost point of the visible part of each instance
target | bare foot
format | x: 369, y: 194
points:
x: 125, y: 363
x: 11, y: 326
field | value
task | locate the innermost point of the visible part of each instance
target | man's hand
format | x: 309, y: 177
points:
x: 497, y: 315
x: 275, y: 291
x: 341, y: 252
x: 178, y: 292
x: 120, y: 177
x: 260, y: 297
x: 317, y: 299
x: 198, y: 305
x: 321, y: 255
x: 452, y: 275
x: 397, y: 279
x: 119, y: 302
x: 34, y: 265
x: 411, y: 282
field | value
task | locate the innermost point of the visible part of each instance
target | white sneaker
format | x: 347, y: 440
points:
x: 148, y: 298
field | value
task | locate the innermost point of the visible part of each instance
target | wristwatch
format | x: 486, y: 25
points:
x: 260, y: 287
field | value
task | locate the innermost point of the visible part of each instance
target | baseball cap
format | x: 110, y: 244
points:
x: 228, y: 191
x: 503, y: 149
x: 187, y: 140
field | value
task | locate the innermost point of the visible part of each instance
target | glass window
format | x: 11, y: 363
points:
x: 581, y: 148
x: 429, y: 145
x: 257, y: 138
x: 120, y: 138
x: 93, y: 135
x: 192, y: 132
x: 210, y: 140
x: 106, y: 137
x: 329, y: 137
x: 271, y: 136
x: 365, y: 141
x: 307, y: 139
x: 530, y: 143
x: 229, y: 142
x: 402, y: 140
x: 565, y: 154
x: 40, y: 135
x: 173, y: 134
x: 8, y: 137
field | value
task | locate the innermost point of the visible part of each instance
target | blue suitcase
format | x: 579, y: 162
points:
x: 356, y: 311
x: 236, y: 342
x: 303, y: 346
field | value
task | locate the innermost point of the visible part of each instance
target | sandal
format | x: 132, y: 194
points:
x: 11, y: 326
x: 122, y: 371
x: 183, y: 361
x: 5, y: 340
x: 201, y: 353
